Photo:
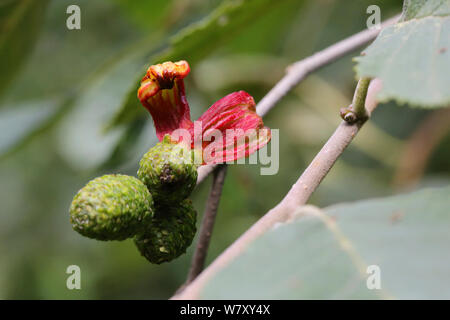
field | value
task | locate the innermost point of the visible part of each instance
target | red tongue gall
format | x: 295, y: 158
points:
x: 231, y: 126
x: 162, y: 94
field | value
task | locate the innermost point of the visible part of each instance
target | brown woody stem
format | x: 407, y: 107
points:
x: 209, y: 217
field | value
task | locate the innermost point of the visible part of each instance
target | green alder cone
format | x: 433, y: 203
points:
x: 111, y: 207
x: 169, y: 172
x: 170, y: 234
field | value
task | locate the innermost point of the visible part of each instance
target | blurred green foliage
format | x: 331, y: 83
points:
x: 54, y: 112
x: 20, y: 22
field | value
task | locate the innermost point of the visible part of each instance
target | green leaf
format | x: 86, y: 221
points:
x: 412, y: 59
x: 83, y: 140
x: 20, y: 23
x: 87, y: 106
x: 121, y: 152
x: 325, y: 254
x: 127, y: 112
x: 148, y: 14
x: 24, y: 121
x: 415, y: 9
x: 198, y: 40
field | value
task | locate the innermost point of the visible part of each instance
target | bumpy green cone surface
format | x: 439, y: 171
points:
x: 170, y: 234
x: 169, y: 172
x: 111, y: 207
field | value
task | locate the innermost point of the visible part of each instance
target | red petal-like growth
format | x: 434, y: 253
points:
x: 230, y: 129
x: 233, y: 119
x: 162, y: 94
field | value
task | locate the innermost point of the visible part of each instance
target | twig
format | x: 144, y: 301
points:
x: 297, y: 196
x: 357, y: 110
x: 359, y: 98
x: 209, y: 217
x: 299, y: 70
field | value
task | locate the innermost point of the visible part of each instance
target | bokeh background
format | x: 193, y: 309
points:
x: 60, y: 88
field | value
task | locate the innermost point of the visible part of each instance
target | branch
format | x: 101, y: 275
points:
x: 299, y: 70
x: 209, y: 217
x: 297, y: 196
